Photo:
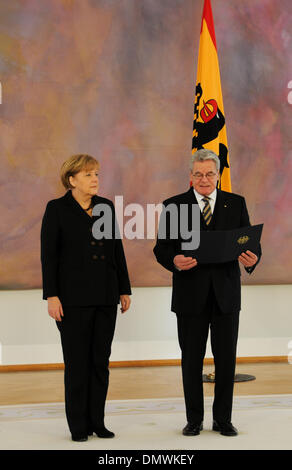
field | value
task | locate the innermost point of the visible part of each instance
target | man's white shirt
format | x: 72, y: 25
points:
x: 212, y: 199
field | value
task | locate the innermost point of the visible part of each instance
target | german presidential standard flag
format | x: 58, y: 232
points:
x: 209, y: 129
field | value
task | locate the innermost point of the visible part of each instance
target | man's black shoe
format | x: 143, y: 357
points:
x: 192, y: 429
x: 79, y: 438
x: 226, y: 429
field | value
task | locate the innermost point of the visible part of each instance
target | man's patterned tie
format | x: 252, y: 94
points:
x: 207, y: 214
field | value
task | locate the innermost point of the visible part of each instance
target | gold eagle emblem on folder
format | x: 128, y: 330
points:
x: 243, y: 240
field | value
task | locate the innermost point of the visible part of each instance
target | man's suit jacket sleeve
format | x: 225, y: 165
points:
x: 245, y: 222
x: 165, y: 248
x: 49, y: 251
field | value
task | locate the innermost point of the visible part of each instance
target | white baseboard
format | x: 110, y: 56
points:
x: 31, y: 354
x: 139, y: 350
x: 148, y: 331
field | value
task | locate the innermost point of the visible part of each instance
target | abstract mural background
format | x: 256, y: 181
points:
x: 115, y: 79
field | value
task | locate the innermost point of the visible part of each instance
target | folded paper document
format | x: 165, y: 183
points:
x: 221, y: 246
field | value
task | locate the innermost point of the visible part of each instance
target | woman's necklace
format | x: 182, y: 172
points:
x: 90, y: 207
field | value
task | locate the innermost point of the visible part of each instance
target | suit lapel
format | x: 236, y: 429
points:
x: 190, y: 196
x: 219, y: 213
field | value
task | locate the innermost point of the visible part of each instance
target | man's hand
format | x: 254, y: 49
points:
x: 55, y: 308
x: 248, y: 259
x: 184, y: 263
x: 125, y: 302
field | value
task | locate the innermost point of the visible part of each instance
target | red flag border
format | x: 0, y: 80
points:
x: 208, y: 16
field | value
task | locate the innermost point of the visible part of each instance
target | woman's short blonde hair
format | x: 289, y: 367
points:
x: 74, y: 164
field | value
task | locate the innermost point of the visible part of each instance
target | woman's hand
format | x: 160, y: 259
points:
x: 55, y: 308
x: 125, y: 302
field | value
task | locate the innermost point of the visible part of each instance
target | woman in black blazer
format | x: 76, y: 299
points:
x: 84, y: 278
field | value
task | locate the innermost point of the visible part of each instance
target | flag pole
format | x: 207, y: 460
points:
x: 209, y: 127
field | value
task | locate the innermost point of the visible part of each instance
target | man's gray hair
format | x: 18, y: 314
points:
x: 205, y: 154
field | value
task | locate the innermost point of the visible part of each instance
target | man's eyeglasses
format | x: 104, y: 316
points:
x: 208, y: 175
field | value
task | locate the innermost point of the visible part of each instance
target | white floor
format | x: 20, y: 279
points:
x: 264, y: 422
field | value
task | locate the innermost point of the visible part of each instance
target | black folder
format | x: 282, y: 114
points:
x: 218, y: 246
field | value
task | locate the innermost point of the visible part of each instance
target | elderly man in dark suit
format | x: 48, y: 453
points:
x: 207, y: 295
x: 84, y: 278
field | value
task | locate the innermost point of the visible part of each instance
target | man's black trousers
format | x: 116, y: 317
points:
x: 192, y: 334
x: 86, y: 336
